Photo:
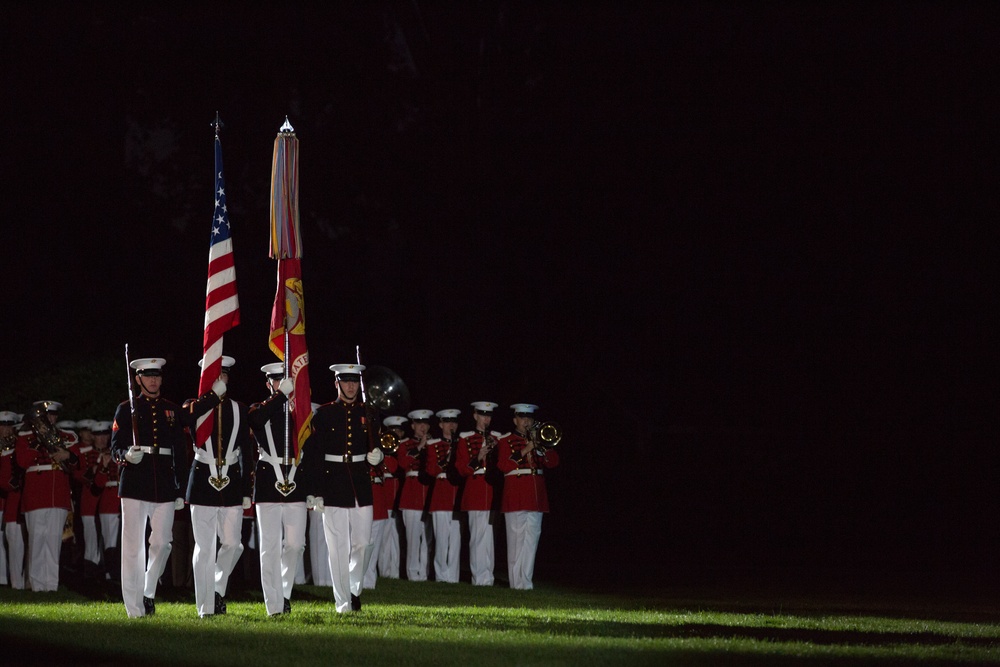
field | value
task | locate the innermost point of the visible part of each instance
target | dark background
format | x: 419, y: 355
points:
x: 743, y: 256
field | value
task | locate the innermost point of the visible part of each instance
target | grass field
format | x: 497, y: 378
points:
x: 406, y: 623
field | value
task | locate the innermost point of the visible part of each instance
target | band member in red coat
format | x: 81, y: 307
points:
x: 105, y: 484
x: 523, y: 461
x: 443, y: 507
x: 388, y: 554
x: 475, y: 460
x: 10, y: 500
x: 49, y: 457
x: 414, y: 495
x: 86, y: 506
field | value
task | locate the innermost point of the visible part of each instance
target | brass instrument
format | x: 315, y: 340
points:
x: 47, y: 436
x: 545, y: 434
x: 7, y: 442
x: 386, y: 391
x: 389, y: 442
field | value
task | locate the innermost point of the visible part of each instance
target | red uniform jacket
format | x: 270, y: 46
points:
x: 10, y: 496
x: 45, y: 486
x: 106, y: 480
x: 438, y: 464
x: 390, y: 482
x: 480, y: 480
x: 524, y: 476
x: 413, y: 496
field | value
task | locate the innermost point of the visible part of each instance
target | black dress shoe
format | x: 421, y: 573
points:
x: 355, y: 602
x: 287, y: 607
x: 149, y: 606
x: 220, y: 604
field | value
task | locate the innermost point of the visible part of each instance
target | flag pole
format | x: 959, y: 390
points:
x: 287, y: 460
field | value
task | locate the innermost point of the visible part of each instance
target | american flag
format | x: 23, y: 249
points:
x: 222, y: 305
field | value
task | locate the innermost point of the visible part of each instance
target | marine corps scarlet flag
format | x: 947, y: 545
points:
x: 288, y: 326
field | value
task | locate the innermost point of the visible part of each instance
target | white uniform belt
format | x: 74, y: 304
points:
x: 84, y: 450
x: 344, y: 458
x: 41, y: 468
x: 267, y: 458
x: 479, y: 471
x: 442, y: 475
x: 376, y: 480
x: 412, y: 473
x: 523, y: 471
x: 155, y: 450
x: 205, y: 457
x: 110, y: 484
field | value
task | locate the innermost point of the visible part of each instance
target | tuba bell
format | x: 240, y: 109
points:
x: 545, y: 434
x: 387, y: 392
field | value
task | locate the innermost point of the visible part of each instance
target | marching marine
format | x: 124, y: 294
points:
x: 280, y: 501
x: 152, y: 453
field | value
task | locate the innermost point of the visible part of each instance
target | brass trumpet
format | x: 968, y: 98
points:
x: 545, y: 434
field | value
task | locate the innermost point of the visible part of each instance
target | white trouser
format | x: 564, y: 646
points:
x: 523, y: 531
x: 447, y: 546
x: 379, y: 529
x: 349, y: 540
x: 91, y: 548
x: 15, y: 553
x: 319, y: 555
x: 211, y: 563
x: 300, y: 569
x: 416, y: 545
x: 3, y: 563
x: 282, y: 529
x: 111, y: 526
x: 139, y: 574
x: 388, y: 554
x: 45, y: 530
x: 481, y: 557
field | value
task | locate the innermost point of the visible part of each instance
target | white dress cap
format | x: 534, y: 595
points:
x: 66, y: 425
x: 275, y: 370
x: 150, y: 366
x: 227, y: 362
x: 101, y: 427
x: 523, y: 408
x: 86, y: 423
x: 347, y: 369
x: 448, y: 414
x: 50, y: 406
x: 8, y: 418
x: 486, y: 407
x: 394, y: 421
x: 420, y: 414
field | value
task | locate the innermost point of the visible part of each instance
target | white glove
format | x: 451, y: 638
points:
x: 286, y: 386
x: 375, y: 456
x: 310, y: 502
x: 178, y: 504
x: 134, y: 454
x: 246, y: 502
x: 318, y: 504
x: 219, y: 387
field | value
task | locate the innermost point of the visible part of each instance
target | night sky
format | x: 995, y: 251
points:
x: 743, y: 256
